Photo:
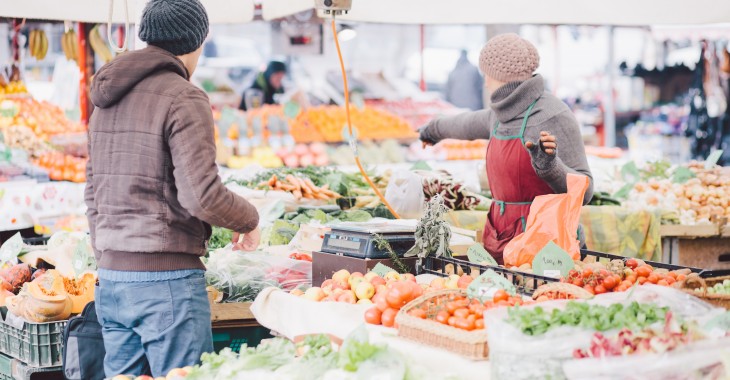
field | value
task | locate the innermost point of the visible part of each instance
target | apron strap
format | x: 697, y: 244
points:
x: 520, y: 136
x: 501, y: 204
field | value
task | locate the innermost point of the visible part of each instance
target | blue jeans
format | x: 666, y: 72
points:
x: 153, y: 322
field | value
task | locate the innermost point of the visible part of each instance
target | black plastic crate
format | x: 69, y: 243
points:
x: 526, y: 283
x: 40, y: 240
x: 236, y: 337
x: 600, y: 255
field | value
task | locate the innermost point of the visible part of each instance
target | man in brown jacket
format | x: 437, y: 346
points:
x: 153, y: 191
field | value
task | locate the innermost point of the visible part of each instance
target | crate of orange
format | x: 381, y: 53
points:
x: 449, y: 320
x: 63, y: 167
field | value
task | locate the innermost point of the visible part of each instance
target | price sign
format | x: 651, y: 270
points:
x: 421, y: 165
x: 552, y: 261
x: 682, y: 175
x: 713, y: 158
x: 381, y: 270
x: 488, y: 282
x: 478, y: 255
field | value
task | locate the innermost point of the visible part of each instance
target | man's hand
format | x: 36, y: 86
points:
x: 426, y: 140
x: 250, y: 241
x: 547, y: 143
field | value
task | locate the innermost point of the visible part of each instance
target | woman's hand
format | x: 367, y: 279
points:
x: 548, y: 144
x: 250, y: 241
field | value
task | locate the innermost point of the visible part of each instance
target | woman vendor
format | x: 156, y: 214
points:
x: 267, y: 84
x: 535, y: 140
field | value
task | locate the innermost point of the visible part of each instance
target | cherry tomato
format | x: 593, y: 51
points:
x: 479, y: 324
x: 463, y: 323
x: 461, y: 313
x: 578, y: 282
x: 373, y: 315
x: 589, y: 289
x: 641, y: 280
x: 632, y: 263
x: 662, y: 283
x: 653, y: 278
x: 502, y: 303
x: 388, y: 317
x: 610, y: 282
x: 588, y: 272
x: 443, y: 317
x: 500, y: 295
x: 418, y: 313
x: 471, y: 318
x: 599, y: 289
x: 451, y: 321
x: 643, y: 271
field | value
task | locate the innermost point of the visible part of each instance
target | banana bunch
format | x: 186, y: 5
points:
x: 70, y: 45
x: 38, y: 44
x: 98, y: 44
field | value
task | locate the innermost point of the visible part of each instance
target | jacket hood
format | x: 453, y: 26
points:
x: 117, y: 78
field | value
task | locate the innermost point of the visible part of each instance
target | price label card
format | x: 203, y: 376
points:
x: 486, y: 283
x: 552, y: 261
x: 421, y: 165
x: 713, y: 158
x: 682, y: 175
x: 381, y: 270
x: 478, y: 255
x: 292, y: 109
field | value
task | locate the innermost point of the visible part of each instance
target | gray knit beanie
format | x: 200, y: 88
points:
x: 509, y: 58
x: 178, y: 26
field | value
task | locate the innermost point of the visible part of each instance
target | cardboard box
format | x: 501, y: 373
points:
x: 324, y: 265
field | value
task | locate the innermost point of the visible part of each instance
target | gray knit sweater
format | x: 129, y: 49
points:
x: 509, y: 104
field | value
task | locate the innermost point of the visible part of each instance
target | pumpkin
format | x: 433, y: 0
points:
x: 4, y: 294
x: 43, y: 300
x: 14, y: 277
x: 81, y: 291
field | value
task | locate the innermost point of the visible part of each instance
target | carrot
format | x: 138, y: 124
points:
x: 325, y: 187
x: 321, y: 196
x: 289, y: 188
x: 272, y: 180
x: 297, y: 194
x: 294, y: 181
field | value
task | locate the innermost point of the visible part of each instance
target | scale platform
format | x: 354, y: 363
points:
x: 358, y: 240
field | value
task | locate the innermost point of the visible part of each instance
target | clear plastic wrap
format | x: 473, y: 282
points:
x: 515, y: 356
x: 700, y: 360
x: 405, y: 194
x: 240, y: 276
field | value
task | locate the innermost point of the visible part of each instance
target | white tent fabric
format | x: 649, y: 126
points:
x: 97, y: 11
x: 562, y: 12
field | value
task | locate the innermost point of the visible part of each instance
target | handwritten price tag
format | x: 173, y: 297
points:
x: 381, y: 270
x: 552, y: 261
x: 478, y: 255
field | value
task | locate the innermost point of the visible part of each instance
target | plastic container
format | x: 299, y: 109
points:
x: 21, y: 371
x: 37, y: 345
x: 235, y: 338
x: 6, y: 370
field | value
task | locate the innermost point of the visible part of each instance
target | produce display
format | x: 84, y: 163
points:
x: 299, y: 187
x: 461, y: 312
x: 315, y: 357
x: 416, y: 113
x: 43, y: 118
x: 619, y: 276
x: 672, y: 336
x: 634, y: 316
x: 38, y: 44
x: 454, y: 195
x: 327, y: 123
x: 63, y: 167
x: 22, y: 137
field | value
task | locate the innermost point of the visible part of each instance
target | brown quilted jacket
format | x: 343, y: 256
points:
x: 153, y: 188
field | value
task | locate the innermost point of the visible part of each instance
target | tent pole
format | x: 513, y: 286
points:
x: 423, y: 47
x: 609, y: 110
x: 84, y: 82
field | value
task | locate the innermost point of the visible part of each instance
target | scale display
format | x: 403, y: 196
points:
x: 360, y: 240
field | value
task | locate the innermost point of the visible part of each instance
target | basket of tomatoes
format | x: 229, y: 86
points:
x: 448, y: 319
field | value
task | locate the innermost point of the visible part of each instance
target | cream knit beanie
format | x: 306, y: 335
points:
x: 509, y: 58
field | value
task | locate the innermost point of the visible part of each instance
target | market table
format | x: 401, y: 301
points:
x: 704, y: 246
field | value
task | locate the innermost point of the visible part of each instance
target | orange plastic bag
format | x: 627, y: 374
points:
x: 552, y: 217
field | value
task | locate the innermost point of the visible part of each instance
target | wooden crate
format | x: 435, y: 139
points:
x: 706, y: 253
x: 697, y: 231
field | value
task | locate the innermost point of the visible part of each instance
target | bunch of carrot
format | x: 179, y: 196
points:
x: 299, y: 187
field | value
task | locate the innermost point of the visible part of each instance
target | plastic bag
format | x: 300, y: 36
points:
x: 240, y: 276
x: 514, y: 355
x: 553, y: 217
x: 405, y: 194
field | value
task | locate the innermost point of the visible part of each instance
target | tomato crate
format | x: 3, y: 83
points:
x: 235, y: 338
x: 39, y: 345
x: 524, y: 282
x: 600, y: 255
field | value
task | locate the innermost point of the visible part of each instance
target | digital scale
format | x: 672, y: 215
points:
x: 359, y: 240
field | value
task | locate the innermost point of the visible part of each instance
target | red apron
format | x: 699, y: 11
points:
x: 514, y: 184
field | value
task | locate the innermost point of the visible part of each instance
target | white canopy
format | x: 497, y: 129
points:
x: 555, y: 12
x: 97, y: 11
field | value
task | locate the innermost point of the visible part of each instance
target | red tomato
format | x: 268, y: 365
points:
x: 399, y: 295
x: 418, y: 313
x: 669, y: 280
x: 653, y: 278
x: 380, y: 302
x: 641, y: 280
x: 643, y: 271
x: 461, y: 313
x: 589, y: 289
x: 451, y: 321
x: 610, y: 282
x: 632, y: 263
x: 662, y: 283
x: 599, y: 289
x: 463, y: 323
x: 443, y: 317
x: 681, y: 277
x: 479, y: 324
x: 587, y: 273
x: 372, y: 316
x: 388, y: 317
x: 500, y: 295
x: 578, y: 282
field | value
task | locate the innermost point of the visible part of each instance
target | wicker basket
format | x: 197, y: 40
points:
x: 564, y: 287
x: 471, y: 344
x: 694, y: 282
